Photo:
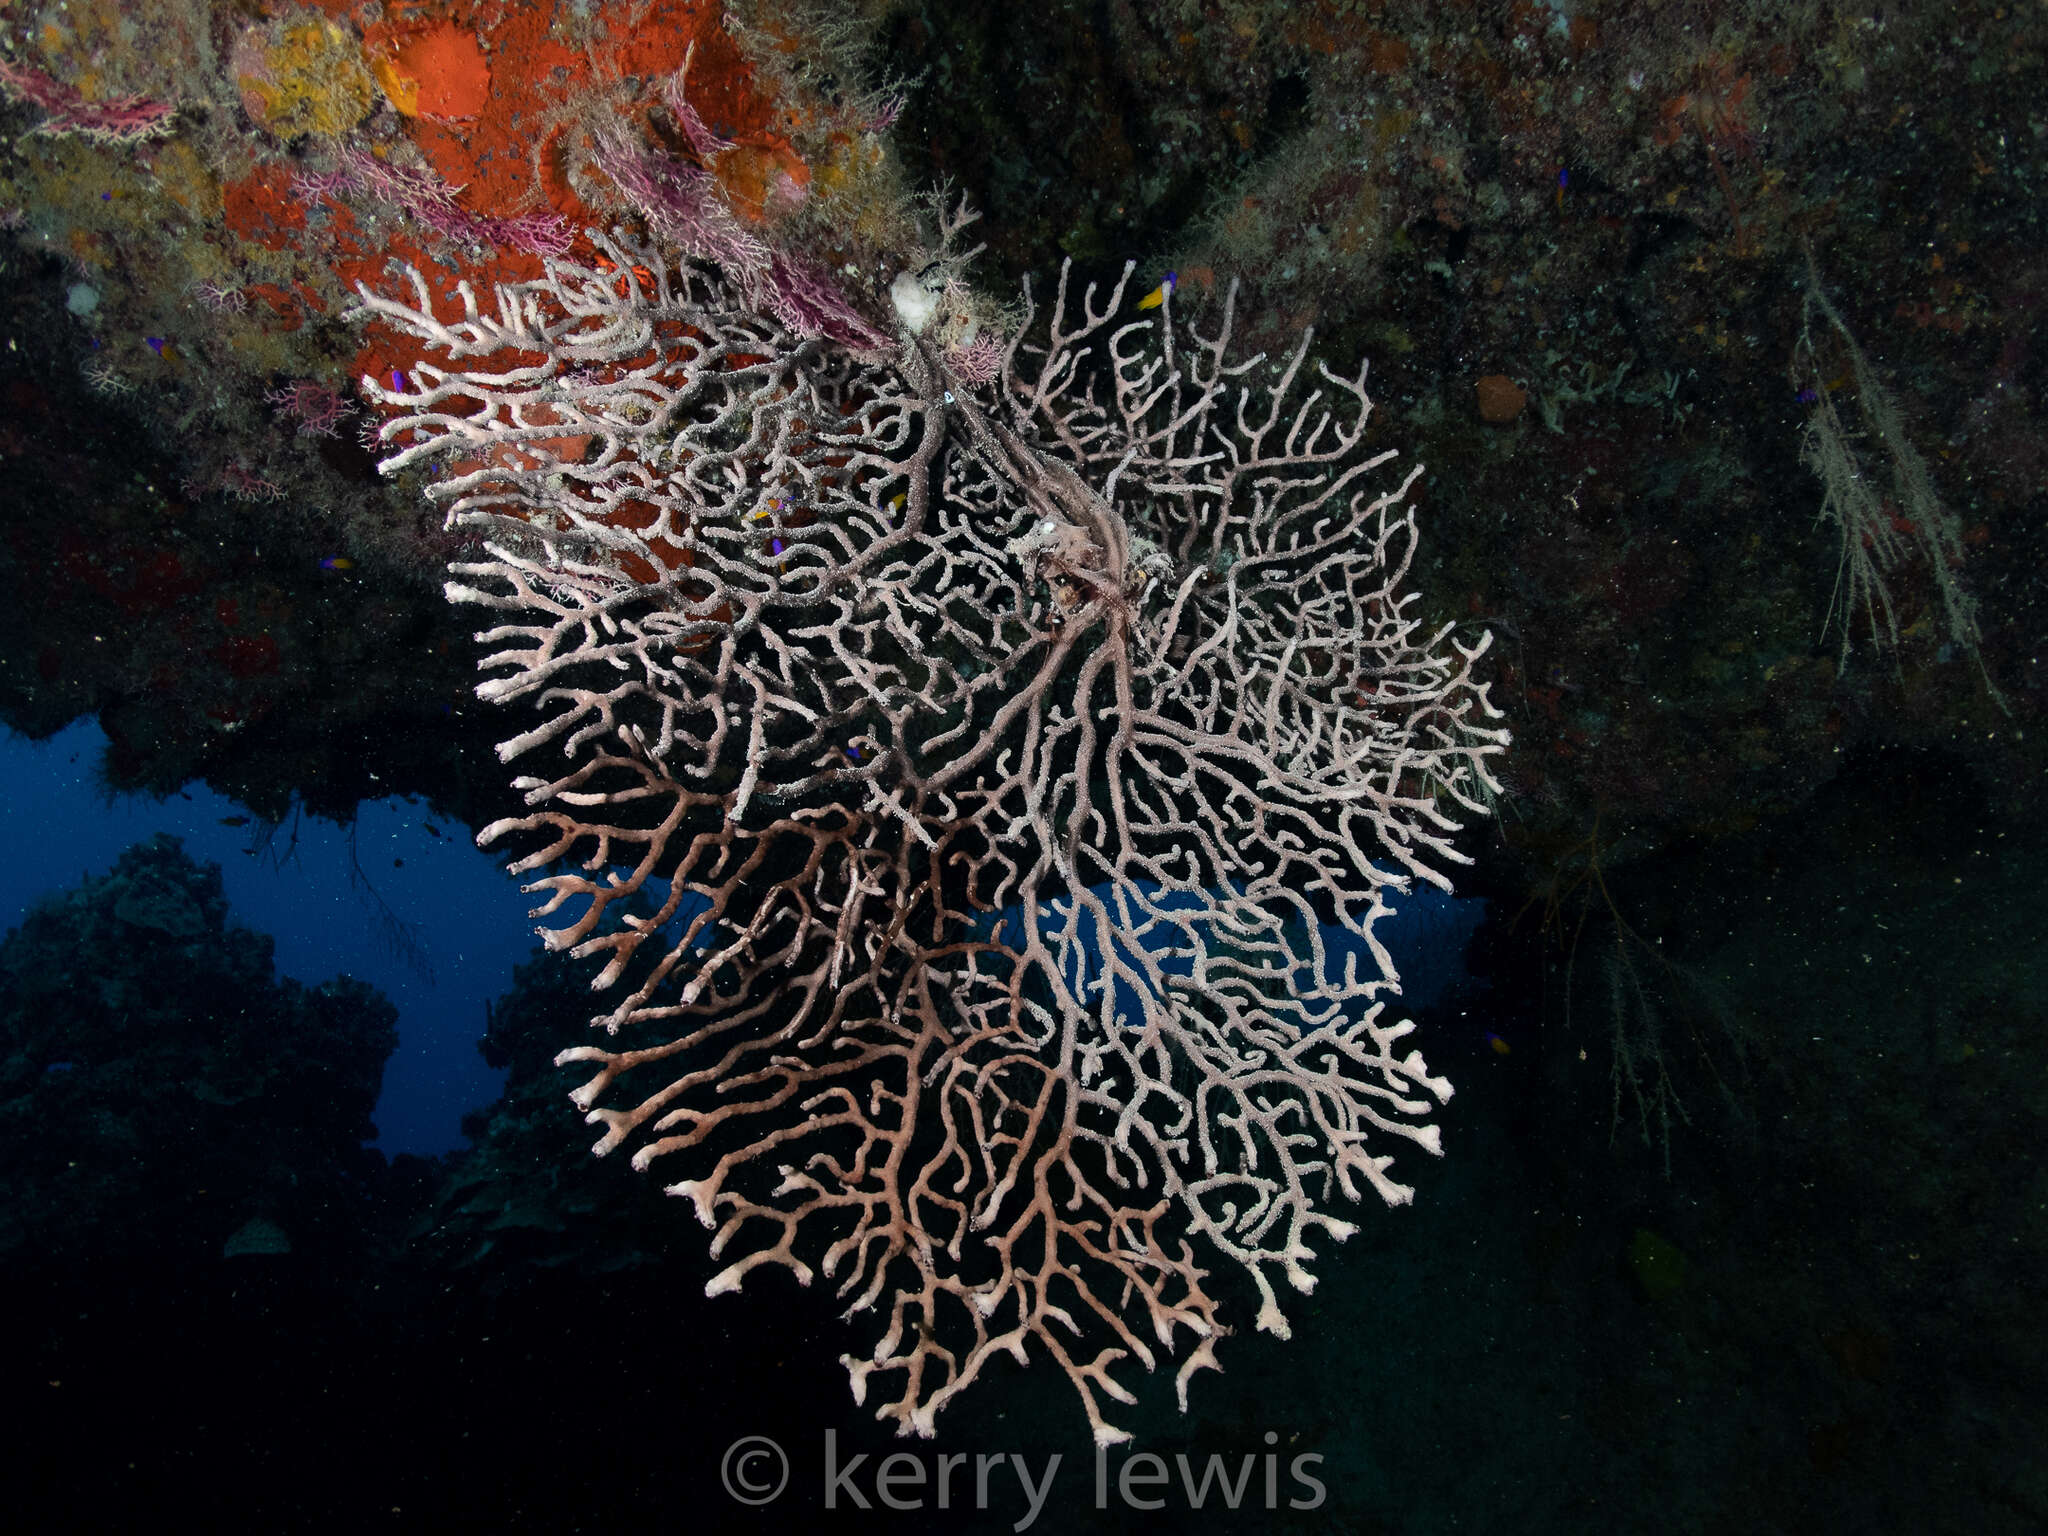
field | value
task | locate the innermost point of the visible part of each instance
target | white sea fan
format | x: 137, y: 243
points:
x: 986, y: 791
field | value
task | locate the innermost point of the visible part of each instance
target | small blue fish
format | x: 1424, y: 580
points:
x: 397, y: 379
x: 1809, y: 395
x: 337, y: 563
x: 155, y: 344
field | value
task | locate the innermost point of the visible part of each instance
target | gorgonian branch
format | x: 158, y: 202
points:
x: 983, y: 793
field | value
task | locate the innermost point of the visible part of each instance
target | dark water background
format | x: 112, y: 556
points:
x: 1742, y: 1219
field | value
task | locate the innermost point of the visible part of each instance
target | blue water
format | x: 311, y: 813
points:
x: 466, y: 917
x: 1426, y: 936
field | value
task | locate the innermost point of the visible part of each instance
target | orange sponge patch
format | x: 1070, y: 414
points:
x: 441, y: 72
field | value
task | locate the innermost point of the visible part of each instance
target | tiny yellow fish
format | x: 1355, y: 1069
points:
x: 1158, y: 295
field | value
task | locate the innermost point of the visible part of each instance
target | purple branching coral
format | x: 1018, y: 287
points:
x: 982, y: 790
x: 431, y: 202
x: 684, y: 209
x: 117, y: 120
x: 318, y: 410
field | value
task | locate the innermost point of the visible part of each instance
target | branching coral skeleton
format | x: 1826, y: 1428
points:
x: 982, y: 793
x: 1878, y: 532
